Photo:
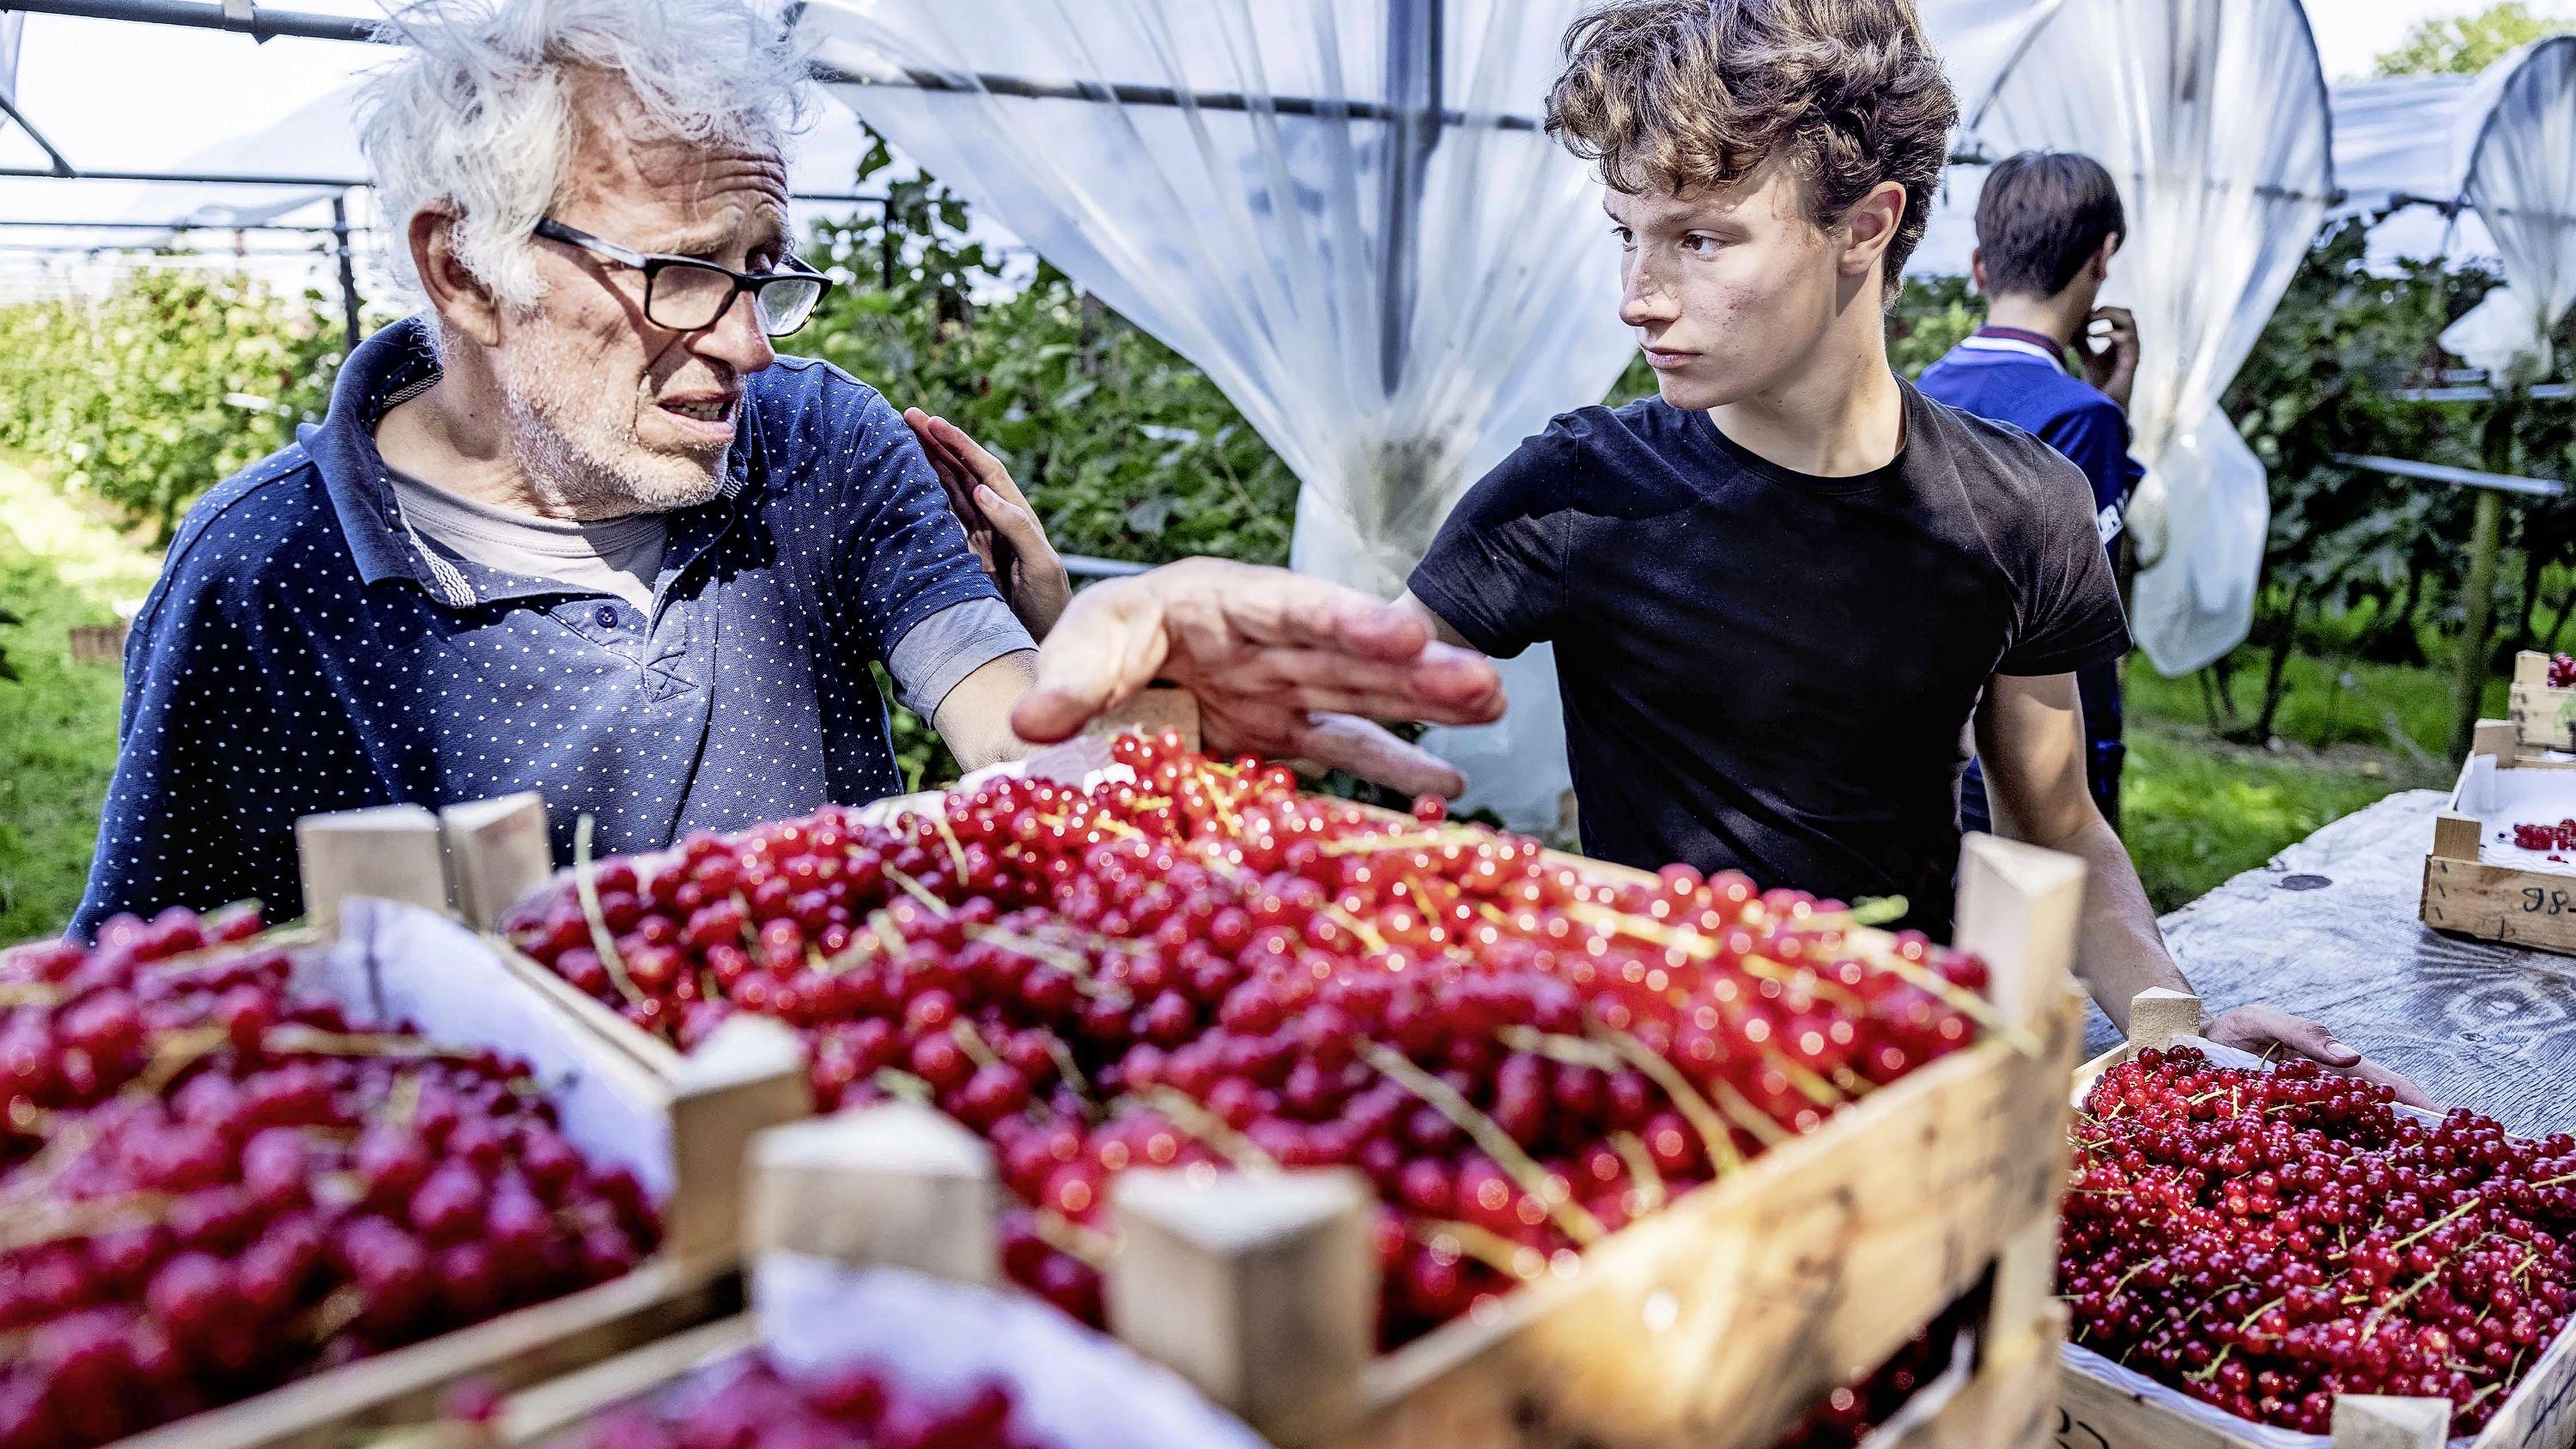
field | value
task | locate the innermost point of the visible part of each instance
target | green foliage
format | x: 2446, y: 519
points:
x: 1125, y: 450
x: 2467, y: 44
x: 152, y: 394
x: 1930, y: 317
x: 58, y: 722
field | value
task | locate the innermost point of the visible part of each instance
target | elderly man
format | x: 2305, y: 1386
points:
x: 577, y: 527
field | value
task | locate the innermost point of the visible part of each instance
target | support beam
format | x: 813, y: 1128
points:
x: 348, y: 272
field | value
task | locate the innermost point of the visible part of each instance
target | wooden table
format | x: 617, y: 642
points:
x: 2329, y: 929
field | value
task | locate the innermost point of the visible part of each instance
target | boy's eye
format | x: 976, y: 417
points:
x: 1626, y: 238
x: 1699, y: 244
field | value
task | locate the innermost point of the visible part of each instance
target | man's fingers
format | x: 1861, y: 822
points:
x: 1108, y: 645
x: 1370, y: 751
x: 1258, y: 605
x: 1439, y: 686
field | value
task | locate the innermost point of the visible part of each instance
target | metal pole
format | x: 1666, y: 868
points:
x: 254, y: 20
x: 244, y: 18
x: 62, y: 165
x: 1413, y: 61
x: 348, y: 268
x: 2485, y: 542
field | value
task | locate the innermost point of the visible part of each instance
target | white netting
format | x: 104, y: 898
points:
x: 2212, y: 115
x: 2516, y: 153
x: 1392, y: 303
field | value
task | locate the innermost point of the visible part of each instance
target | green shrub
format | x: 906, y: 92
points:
x: 152, y: 394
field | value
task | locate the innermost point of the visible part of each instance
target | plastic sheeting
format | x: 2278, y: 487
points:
x: 2518, y: 168
x: 12, y: 29
x: 2392, y: 145
x: 1392, y: 306
x: 2212, y: 115
x: 1393, y: 302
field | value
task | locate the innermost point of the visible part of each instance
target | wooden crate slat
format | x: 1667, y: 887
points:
x: 402, y: 1387
x: 1718, y: 1321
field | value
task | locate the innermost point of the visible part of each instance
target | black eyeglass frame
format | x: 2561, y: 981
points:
x: 654, y: 264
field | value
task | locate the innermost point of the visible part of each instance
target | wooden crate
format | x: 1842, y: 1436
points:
x: 2464, y: 893
x: 2096, y: 1414
x: 707, y: 1112
x: 2007, y: 1402
x: 2542, y: 718
x: 1715, y: 1323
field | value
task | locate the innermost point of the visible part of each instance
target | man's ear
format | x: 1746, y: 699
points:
x: 455, y: 293
x: 1977, y: 270
x: 2101, y: 263
x: 1871, y: 223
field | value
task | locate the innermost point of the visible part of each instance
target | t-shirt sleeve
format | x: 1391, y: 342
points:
x: 2067, y: 613
x: 898, y: 554
x: 937, y: 654
x: 1496, y: 570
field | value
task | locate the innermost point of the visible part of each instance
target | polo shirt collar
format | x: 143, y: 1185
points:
x: 2017, y: 339
x: 392, y: 367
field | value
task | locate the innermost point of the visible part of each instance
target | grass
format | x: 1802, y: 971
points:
x: 59, y: 567
x: 2196, y: 808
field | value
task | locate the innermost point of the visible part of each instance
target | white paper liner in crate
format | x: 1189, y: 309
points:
x: 397, y: 963
x: 2172, y: 1400
x: 1075, y: 1388
x: 2502, y: 798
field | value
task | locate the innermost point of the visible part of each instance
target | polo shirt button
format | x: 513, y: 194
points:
x: 607, y: 616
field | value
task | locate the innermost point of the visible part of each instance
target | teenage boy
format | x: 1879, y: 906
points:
x: 2047, y: 225
x: 1782, y: 590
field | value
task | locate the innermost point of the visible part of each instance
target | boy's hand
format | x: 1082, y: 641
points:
x: 2265, y: 1030
x: 2110, y: 348
x: 1000, y: 526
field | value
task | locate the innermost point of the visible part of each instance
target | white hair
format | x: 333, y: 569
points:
x: 476, y: 114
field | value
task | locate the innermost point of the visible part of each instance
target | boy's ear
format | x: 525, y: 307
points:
x: 2102, y: 257
x: 1977, y: 270
x: 1871, y: 224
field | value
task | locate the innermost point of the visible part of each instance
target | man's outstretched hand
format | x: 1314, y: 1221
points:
x: 2272, y: 1032
x: 1279, y: 663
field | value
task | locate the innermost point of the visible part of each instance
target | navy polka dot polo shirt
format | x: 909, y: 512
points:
x: 303, y: 651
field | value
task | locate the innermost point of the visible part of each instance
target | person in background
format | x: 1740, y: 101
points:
x: 2051, y: 363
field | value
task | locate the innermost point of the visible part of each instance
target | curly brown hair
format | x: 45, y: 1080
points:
x: 1676, y: 95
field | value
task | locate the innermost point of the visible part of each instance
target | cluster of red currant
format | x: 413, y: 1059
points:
x: 1189, y: 962
x: 2267, y: 1240
x: 209, y: 1187
x: 1849, y: 1414
x: 2560, y: 837
x: 2562, y: 671
x: 755, y: 1406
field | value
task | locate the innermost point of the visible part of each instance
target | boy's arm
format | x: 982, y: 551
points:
x: 2030, y: 735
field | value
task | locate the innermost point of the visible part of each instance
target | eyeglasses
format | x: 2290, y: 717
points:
x: 691, y: 294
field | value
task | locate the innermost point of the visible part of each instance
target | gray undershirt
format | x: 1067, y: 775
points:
x: 622, y: 557
x: 616, y: 556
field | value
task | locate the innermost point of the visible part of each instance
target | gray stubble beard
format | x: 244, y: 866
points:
x: 569, y: 478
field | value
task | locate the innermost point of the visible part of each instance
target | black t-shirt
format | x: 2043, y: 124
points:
x: 1769, y: 671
